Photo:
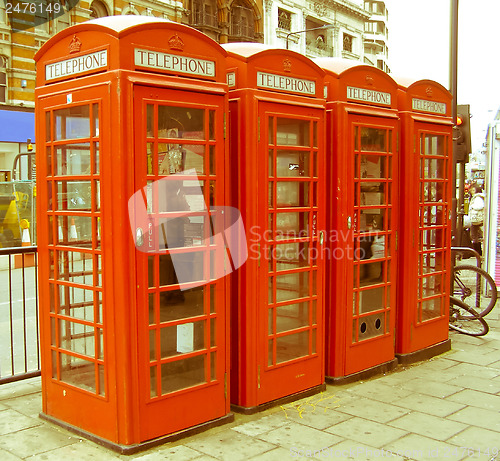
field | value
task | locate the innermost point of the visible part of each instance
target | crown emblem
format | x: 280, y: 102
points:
x: 176, y: 43
x: 428, y: 91
x: 75, y: 45
x: 369, y: 80
x: 287, y: 65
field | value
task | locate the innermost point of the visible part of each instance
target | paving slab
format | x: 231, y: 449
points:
x: 364, y: 431
x: 300, y: 437
x: 419, y: 448
x: 13, y: 421
x: 229, y: 445
x: 483, y: 441
x: 373, y: 410
x: 429, y: 426
x: 429, y: 405
x: 477, y: 399
x: 35, y: 440
x: 351, y: 450
x: 479, y: 417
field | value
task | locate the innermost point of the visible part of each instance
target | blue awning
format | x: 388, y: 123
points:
x: 16, y: 126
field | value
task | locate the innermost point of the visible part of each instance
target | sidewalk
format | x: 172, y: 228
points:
x: 446, y: 408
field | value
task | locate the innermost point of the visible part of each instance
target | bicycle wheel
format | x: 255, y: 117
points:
x: 465, y: 320
x: 475, y: 287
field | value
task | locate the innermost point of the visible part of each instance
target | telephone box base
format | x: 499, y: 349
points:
x: 135, y: 448
x: 424, y: 354
x: 364, y: 374
x: 281, y: 401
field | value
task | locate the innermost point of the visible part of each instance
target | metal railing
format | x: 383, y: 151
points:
x: 19, y: 333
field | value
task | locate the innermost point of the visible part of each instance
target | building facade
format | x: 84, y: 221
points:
x: 352, y: 29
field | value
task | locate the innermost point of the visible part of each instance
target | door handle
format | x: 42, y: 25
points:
x: 139, y: 237
x: 349, y: 222
x: 321, y: 237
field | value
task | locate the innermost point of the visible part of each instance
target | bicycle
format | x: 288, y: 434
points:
x: 474, y: 296
x: 473, y: 285
x: 465, y: 319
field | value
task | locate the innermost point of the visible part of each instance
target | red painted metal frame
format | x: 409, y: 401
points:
x: 413, y: 332
x: 122, y: 414
x: 253, y: 382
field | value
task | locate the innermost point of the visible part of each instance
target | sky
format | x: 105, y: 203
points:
x: 419, y: 46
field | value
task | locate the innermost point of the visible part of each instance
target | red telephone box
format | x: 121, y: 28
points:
x: 362, y: 164
x: 425, y: 194
x: 131, y: 151
x: 277, y: 155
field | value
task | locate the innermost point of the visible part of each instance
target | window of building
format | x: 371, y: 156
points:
x: 242, y: 21
x: 348, y: 41
x: 205, y: 13
x: 98, y: 9
x: 284, y: 19
x: 3, y: 78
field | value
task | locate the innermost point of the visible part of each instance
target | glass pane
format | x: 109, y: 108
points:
x: 181, y: 267
x: 373, y: 139
x: 150, y: 120
x: 432, y: 192
x: 185, y: 196
x: 291, y: 255
x: 434, y: 145
x: 97, y: 164
x: 431, y: 262
x: 315, y: 134
x: 292, y: 346
x: 72, y: 123
x: 432, y: 215
x: 180, y: 374
x: 292, y: 316
x: 76, y: 337
x: 72, y: 159
x: 432, y: 239
x: 433, y: 168
x: 292, y: 225
x: 270, y: 194
x: 431, y: 309
x: 78, y: 372
x: 176, y: 158
x: 151, y: 308
x: 48, y: 131
x: 373, y: 166
x: 182, y: 232
x: 152, y: 380
x: 292, y: 164
x: 95, y: 115
x: 292, y: 286
x: 292, y: 193
x: 431, y: 285
x: 76, y: 302
x: 181, y: 122
x: 211, y: 125
x: 177, y: 304
x: 372, y: 194
x: 74, y: 231
x: 271, y: 131
x: 211, y: 160
x: 292, y: 132
x: 75, y: 267
x: 372, y: 220
x: 74, y: 195
x: 371, y: 300
x: 213, y: 366
x: 371, y: 273
x: 271, y: 163
x: 182, y: 339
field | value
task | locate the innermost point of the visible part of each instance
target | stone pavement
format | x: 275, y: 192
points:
x: 446, y: 408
